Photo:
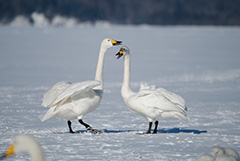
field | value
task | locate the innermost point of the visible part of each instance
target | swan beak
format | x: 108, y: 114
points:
x: 119, y: 54
x: 114, y: 42
x: 9, y: 152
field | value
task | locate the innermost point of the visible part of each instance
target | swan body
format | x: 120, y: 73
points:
x: 220, y: 154
x: 157, y: 104
x: 150, y: 102
x: 25, y: 144
x: 73, y: 101
x: 69, y: 98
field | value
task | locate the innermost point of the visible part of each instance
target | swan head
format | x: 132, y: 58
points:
x: 107, y: 43
x: 217, y: 150
x: 23, y: 144
x: 123, y: 51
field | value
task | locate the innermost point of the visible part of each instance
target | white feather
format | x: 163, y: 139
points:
x: 80, y: 88
x: 151, y: 102
x: 220, y: 154
x: 71, y: 101
x: 53, y: 93
x: 26, y: 144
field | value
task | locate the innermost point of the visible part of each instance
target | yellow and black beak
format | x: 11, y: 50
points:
x: 119, y: 54
x: 114, y: 42
x: 10, y: 151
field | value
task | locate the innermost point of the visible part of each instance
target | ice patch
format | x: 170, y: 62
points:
x: 32, y: 61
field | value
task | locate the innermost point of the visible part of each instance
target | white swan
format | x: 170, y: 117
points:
x: 150, y: 102
x: 25, y: 144
x: 73, y: 101
x: 220, y: 154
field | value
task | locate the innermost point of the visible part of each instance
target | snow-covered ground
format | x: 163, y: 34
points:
x: 202, y: 64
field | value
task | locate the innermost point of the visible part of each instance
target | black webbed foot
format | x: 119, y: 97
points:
x: 94, y: 131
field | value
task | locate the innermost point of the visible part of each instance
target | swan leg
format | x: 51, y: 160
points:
x: 149, y: 128
x: 69, y: 126
x: 156, y: 126
x: 89, y: 128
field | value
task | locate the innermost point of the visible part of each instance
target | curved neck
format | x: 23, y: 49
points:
x: 37, y: 156
x: 126, y: 90
x: 35, y: 151
x: 99, y: 70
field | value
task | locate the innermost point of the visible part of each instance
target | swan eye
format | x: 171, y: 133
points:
x: 123, y: 50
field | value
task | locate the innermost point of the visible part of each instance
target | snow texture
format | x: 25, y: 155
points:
x: 201, y: 64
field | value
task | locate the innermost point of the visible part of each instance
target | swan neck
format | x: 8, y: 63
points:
x: 37, y: 157
x: 99, y: 70
x: 126, y: 87
x: 36, y: 152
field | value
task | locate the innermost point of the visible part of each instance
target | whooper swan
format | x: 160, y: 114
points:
x: 150, y: 102
x: 73, y: 101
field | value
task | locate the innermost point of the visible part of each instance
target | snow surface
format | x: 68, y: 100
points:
x: 202, y: 64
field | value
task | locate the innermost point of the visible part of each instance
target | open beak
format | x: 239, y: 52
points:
x: 9, y: 152
x: 119, y: 54
x: 114, y: 42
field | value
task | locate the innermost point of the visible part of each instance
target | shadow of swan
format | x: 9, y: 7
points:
x: 108, y: 131
x: 181, y: 130
x: 163, y: 131
x: 160, y: 131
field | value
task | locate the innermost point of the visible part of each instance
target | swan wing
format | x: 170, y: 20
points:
x: 144, y: 85
x: 75, y: 89
x: 172, y: 97
x: 72, y: 90
x: 53, y: 93
x: 156, y: 99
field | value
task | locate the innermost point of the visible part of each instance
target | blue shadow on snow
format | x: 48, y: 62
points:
x: 160, y: 131
x: 181, y: 130
x: 108, y: 131
x: 163, y: 131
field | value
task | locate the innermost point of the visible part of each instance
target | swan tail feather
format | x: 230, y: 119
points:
x: 176, y: 115
x: 182, y: 117
x: 50, y: 114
